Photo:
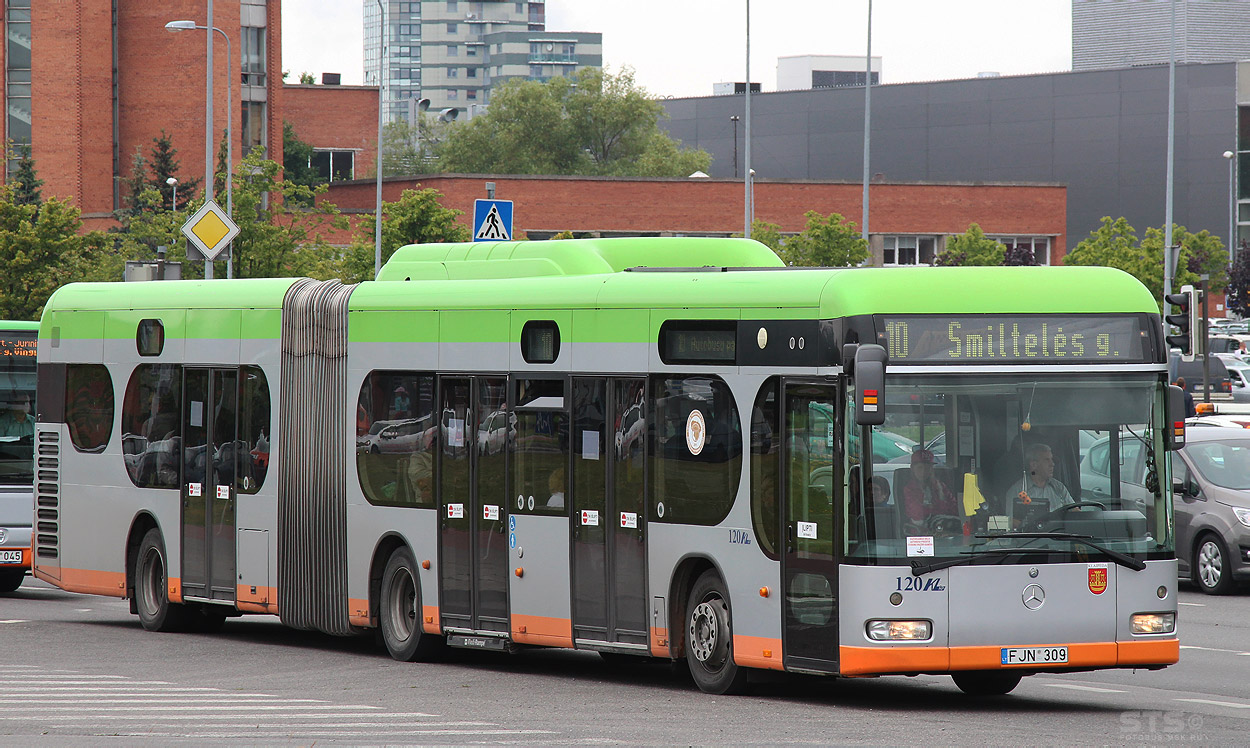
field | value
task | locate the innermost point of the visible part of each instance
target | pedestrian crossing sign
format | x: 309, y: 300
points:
x: 492, y: 220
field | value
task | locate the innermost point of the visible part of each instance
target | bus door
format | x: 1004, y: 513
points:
x: 608, y: 518
x: 473, y: 540
x: 811, y: 468
x: 209, y: 429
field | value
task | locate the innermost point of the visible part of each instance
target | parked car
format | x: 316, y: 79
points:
x: 1221, y: 386
x: 1239, y: 380
x: 1211, y: 481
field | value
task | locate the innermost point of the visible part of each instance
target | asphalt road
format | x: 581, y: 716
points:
x: 78, y: 670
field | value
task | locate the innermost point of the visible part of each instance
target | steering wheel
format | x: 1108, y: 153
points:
x: 944, y: 524
x: 1057, y: 513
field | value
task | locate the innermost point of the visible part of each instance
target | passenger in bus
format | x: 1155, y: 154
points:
x: 924, y: 496
x: 555, y: 484
x: 421, y: 477
x: 1037, y: 492
x: 16, y: 419
x: 880, y: 490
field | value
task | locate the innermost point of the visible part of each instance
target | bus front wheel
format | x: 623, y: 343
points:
x: 156, y: 612
x: 986, y: 682
x: 11, y: 579
x: 400, y: 611
x: 709, y: 638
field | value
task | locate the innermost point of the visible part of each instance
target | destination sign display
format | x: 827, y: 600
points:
x: 699, y: 342
x: 17, y: 345
x: 1018, y: 338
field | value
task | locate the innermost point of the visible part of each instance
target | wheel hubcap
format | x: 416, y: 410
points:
x: 153, y: 583
x: 1210, y: 564
x: 707, y: 636
x: 403, y: 609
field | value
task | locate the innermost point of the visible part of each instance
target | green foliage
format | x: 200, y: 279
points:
x: 592, y: 123
x: 154, y: 174
x: 971, y: 249
x: 408, y: 149
x: 307, y: 79
x: 297, y: 159
x: 566, y: 234
x: 40, y: 250
x: 26, y: 182
x: 825, y: 242
x: 1238, y: 300
x: 416, y: 218
x: 768, y: 234
x: 1114, y: 244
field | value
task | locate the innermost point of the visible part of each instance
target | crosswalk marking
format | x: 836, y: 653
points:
x: 1075, y: 687
x: 1212, y: 702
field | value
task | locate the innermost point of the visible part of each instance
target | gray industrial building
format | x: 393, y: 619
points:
x: 1124, y: 33
x: 1103, y: 133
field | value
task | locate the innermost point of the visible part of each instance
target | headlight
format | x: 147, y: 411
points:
x: 899, y: 630
x: 1243, y: 515
x: 1154, y: 623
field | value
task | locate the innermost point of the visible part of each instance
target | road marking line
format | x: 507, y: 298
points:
x: 40, y: 676
x: 1216, y: 703
x: 113, y: 689
x: 226, y: 700
x: 15, y: 620
x: 335, y: 734
x: 1210, y: 649
x: 239, y: 708
x: 1075, y: 687
x: 305, y: 725
x: 71, y: 682
x: 1194, y: 605
x: 178, y: 698
x: 203, y: 717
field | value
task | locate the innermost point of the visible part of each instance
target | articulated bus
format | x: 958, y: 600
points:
x: 17, y: 432
x: 665, y: 447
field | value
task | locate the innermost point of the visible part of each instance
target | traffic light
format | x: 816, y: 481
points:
x: 1188, y: 337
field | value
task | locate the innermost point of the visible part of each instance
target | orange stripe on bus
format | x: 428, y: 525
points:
x: 866, y: 660
x: 1156, y: 652
x: 757, y: 651
x: 263, y: 600
x: 553, y: 632
x: 659, y: 642
x: 429, y: 620
x: 91, y: 582
x: 358, y: 612
x: 175, y: 589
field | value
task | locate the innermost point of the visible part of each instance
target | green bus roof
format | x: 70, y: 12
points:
x: 18, y: 324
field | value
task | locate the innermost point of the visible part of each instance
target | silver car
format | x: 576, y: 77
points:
x: 1211, y: 478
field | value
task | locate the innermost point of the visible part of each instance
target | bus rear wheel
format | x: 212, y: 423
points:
x: 11, y: 579
x: 986, y: 682
x: 709, y: 638
x: 400, y: 611
x: 156, y: 612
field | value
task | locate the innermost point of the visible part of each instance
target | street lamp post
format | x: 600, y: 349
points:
x: 867, y: 118
x: 208, y: 169
x: 749, y: 207
x: 173, y: 182
x: 1232, y: 207
x: 377, y: 214
x: 734, y: 119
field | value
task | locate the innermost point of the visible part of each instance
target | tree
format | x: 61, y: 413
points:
x: 591, y: 123
x: 1114, y: 244
x: 768, y: 234
x: 40, y: 250
x: 1238, y: 300
x: 297, y: 159
x: 408, y: 149
x: 971, y: 248
x: 1018, y: 255
x: 164, y: 164
x: 307, y: 79
x: 825, y: 242
x: 26, y: 182
x: 416, y: 218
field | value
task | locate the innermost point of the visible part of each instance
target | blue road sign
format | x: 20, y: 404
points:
x: 492, y: 220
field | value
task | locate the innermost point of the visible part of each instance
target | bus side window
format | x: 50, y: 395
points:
x: 89, y: 406
x: 765, y: 452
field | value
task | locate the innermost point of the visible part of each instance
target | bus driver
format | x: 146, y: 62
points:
x: 1037, y: 492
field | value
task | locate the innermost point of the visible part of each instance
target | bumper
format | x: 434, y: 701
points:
x: 934, y: 660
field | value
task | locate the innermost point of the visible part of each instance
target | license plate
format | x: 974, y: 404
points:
x: 10, y: 557
x: 1034, y: 655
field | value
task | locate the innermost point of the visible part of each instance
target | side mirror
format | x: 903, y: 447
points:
x: 1174, y: 417
x: 869, y: 374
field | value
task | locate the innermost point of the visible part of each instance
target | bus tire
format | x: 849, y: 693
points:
x: 987, y: 682
x: 400, y: 611
x: 709, y: 638
x: 11, y: 579
x: 1212, y: 572
x: 156, y: 612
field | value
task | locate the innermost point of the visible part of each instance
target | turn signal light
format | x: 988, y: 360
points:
x: 520, y: 572
x: 899, y: 630
x: 425, y: 564
x: 1153, y: 623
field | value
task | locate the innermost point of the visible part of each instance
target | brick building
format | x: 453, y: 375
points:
x: 339, y: 122
x: 88, y: 81
x: 612, y: 206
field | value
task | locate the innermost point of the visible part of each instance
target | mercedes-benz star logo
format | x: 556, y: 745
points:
x: 4, y: 534
x: 1034, y: 596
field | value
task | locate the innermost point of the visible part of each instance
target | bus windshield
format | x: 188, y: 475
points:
x: 1013, y: 463
x: 17, y: 413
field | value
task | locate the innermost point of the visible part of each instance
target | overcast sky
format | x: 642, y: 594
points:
x: 682, y: 47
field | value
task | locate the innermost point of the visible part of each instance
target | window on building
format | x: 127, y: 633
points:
x: 252, y: 55
x: 452, y: 94
x: 470, y: 51
x: 452, y: 4
x: 451, y: 28
x: 453, y: 50
x: 536, y: 71
x: 907, y: 250
x: 333, y: 165
x: 17, y: 73
x: 453, y: 72
x: 1038, y: 246
x: 471, y: 72
x: 471, y: 94
x: 89, y: 406
x: 252, y: 125
x: 409, y: 29
x: 538, y: 16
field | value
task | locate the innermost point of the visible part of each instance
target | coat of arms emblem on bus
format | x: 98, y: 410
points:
x: 696, y: 432
x: 1097, y: 579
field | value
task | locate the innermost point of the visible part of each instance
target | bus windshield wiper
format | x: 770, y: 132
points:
x: 966, y: 557
x: 1085, y: 540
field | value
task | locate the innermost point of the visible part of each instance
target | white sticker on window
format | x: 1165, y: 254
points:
x: 590, y: 445
x: 629, y: 519
x: 223, y: 492
x: 806, y: 530
x: 829, y: 435
x: 194, y: 489
x: 197, y: 414
x: 490, y: 512
x: 920, y: 545
x: 590, y: 517
x: 455, y: 511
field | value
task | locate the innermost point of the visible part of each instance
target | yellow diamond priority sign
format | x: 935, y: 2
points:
x: 210, y: 230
